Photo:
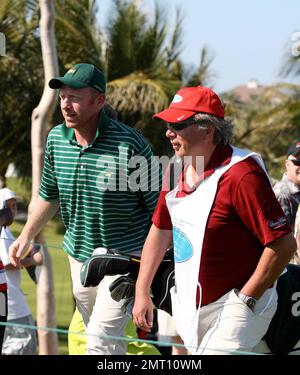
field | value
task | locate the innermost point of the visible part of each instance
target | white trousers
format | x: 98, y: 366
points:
x: 102, y: 315
x: 228, y: 325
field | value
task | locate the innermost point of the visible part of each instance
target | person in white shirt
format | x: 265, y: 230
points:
x: 17, y: 340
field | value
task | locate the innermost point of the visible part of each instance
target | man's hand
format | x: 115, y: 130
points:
x: 43, y: 211
x: 156, y: 244
x: 18, y: 250
x: 34, y: 257
x: 142, y: 312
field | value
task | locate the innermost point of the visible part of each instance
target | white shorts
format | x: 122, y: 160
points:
x: 102, y: 315
x: 20, y: 340
x: 166, y: 325
x: 228, y: 325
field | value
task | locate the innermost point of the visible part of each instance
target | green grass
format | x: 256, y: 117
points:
x: 22, y: 188
x: 61, y: 277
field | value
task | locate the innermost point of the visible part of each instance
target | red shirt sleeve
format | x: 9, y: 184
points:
x: 161, y: 218
x: 258, y: 208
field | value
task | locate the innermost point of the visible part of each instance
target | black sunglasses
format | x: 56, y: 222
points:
x: 177, y: 126
x: 296, y: 162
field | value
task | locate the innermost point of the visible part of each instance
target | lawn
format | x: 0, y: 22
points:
x: 61, y: 276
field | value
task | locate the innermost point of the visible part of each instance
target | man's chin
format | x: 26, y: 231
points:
x: 70, y: 124
x: 179, y: 154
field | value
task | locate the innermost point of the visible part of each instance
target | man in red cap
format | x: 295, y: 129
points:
x: 230, y: 236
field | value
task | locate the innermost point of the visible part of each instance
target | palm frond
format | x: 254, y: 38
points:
x: 175, y: 47
x: 76, y: 33
x: 204, y: 74
x: 268, y: 122
x: 136, y: 93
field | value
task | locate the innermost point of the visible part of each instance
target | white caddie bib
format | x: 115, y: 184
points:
x: 189, y: 217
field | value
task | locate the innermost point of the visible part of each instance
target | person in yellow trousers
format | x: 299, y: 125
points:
x: 77, y: 340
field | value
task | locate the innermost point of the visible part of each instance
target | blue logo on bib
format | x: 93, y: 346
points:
x: 183, y: 249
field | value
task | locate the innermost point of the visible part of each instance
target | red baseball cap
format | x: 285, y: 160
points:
x: 191, y: 100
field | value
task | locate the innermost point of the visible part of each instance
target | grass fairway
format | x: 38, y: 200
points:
x: 61, y: 276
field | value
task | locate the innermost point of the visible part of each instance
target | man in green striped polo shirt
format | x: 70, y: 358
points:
x: 104, y: 178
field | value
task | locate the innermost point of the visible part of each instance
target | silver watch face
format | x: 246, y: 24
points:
x: 251, y: 303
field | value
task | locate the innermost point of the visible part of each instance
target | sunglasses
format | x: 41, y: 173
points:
x: 177, y: 126
x: 295, y: 161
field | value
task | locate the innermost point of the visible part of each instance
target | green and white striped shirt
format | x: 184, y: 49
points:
x: 97, y: 207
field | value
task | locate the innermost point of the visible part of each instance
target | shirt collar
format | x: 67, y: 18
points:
x: 68, y: 133
x: 220, y: 157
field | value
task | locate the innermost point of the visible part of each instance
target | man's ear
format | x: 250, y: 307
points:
x: 98, y: 98
x: 101, y: 99
x: 286, y: 162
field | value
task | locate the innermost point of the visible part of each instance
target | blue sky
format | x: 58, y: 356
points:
x: 248, y: 38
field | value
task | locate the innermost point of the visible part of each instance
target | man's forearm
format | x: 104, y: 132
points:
x: 155, y: 247
x: 42, y: 212
x: 271, y: 264
x: 154, y: 250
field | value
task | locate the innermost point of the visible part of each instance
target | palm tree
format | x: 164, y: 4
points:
x: 203, y: 76
x: 77, y: 35
x: 267, y: 123
x: 143, y: 66
x: 140, y: 59
x: 291, y: 59
x: 21, y: 70
x: 20, y: 88
x: 41, y: 116
x: 139, y: 56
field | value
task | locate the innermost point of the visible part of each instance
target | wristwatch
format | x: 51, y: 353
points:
x: 249, y: 301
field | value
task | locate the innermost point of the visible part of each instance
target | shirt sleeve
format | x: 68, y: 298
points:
x: 258, y: 208
x: 150, y: 178
x: 48, y: 189
x: 161, y: 217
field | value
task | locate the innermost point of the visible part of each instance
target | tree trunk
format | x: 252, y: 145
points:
x: 41, y: 116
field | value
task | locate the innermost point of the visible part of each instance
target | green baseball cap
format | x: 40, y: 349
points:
x: 81, y: 76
